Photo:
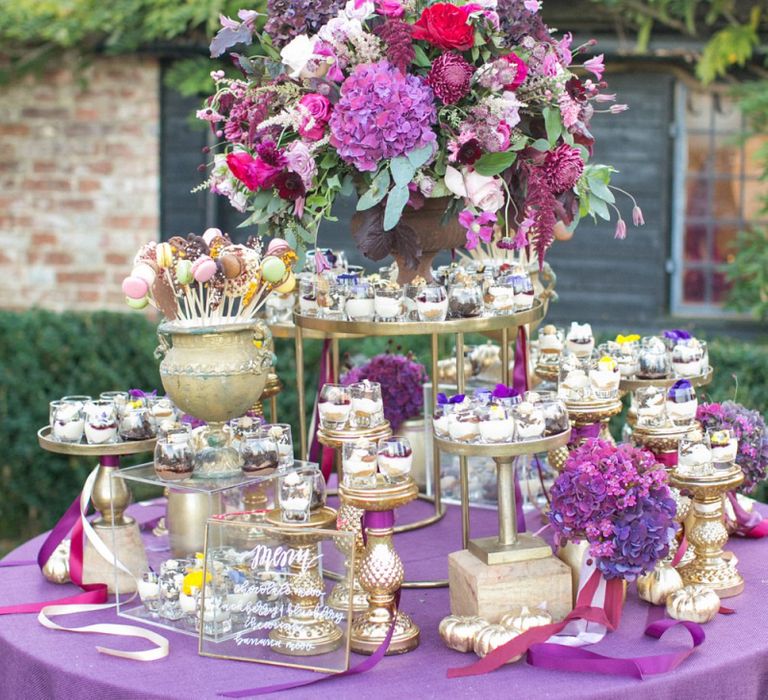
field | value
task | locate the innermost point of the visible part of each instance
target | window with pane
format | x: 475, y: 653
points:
x: 721, y: 191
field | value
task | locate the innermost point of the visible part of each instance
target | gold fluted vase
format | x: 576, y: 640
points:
x: 381, y: 571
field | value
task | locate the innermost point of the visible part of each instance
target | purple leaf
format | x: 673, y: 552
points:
x: 227, y: 37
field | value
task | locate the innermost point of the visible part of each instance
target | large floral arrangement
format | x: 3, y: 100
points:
x: 617, y: 498
x: 401, y: 380
x: 750, y: 430
x: 474, y: 101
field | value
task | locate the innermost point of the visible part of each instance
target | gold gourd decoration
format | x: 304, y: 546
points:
x: 521, y: 618
x: 459, y: 631
x: 56, y: 569
x: 492, y: 637
x: 693, y: 604
x: 656, y: 586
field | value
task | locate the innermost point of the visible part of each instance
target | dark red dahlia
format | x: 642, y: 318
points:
x: 270, y: 154
x: 469, y: 152
x: 449, y: 77
x: 576, y: 89
x: 290, y: 185
x: 562, y: 168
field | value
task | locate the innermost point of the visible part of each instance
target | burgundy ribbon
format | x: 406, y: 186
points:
x: 668, y: 459
x: 583, y: 432
x: 750, y: 525
x: 316, y: 450
x: 520, y: 385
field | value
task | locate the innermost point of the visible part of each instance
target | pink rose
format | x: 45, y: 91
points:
x: 315, y: 111
x: 485, y: 193
x: 254, y: 173
x: 520, y: 75
x: 390, y: 8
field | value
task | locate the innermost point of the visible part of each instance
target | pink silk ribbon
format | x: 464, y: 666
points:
x: 668, y: 459
x: 520, y: 384
x: 750, y: 525
x: 681, y: 550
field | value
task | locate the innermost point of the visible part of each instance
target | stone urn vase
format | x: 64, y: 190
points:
x: 414, y: 242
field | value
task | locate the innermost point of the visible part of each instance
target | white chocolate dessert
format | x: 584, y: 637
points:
x: 529, y: 421
x: 580, y: 341
x: 605, y: 378
x: 463, y: 427
x: 440, y: 424
x: 574, y: 386
x: 360, y: 309
x: 650, y: 410
x: 281, y: 302
x: 502, y: 298
x: 694, y: 454
x: 188, y: 603
x: 724, y: 447
x: 395, y: 465
x: 687, y: 358
x: 367, y: 411
x: 295, y: 503
x: 496, y: 425
x: 333, y: 414
x: 682, y: 413
x: 432, y: 310
x: 69, y: 424
x: 360, y: 463
x: 148, y: 590
x: 549, y: 341
x: 387, y: 307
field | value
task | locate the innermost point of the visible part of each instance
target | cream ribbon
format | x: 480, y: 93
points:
x: 162, y: 646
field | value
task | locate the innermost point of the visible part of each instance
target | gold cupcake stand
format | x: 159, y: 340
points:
x: 311, y: 327
x: 110, y: 497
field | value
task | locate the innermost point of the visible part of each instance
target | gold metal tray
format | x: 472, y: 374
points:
x: 129, y: 447
x: 503, y: 449
x: 634, y: 384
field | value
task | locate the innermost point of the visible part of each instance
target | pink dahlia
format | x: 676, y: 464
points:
x: 381, y: 114
x: 562, y: 168
x: 449, y: 77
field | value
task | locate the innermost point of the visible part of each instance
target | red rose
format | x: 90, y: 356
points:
x: 254, y: 173
x: 445, y: 26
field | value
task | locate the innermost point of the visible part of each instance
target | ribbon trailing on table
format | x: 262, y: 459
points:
x: 751, y: 525
x: 583, y: 432
x: 375, y: 520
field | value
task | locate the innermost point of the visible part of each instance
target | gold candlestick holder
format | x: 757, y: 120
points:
x: 712, y: 567
x: 350, y: 517
x: 662, y: 441
x: 381, y: 571
x: 301, y: 632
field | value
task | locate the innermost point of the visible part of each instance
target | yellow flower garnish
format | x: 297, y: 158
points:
x: 194, y: 579
x: 249, y: 294
x: 633, y: 338
x: 606, y: 364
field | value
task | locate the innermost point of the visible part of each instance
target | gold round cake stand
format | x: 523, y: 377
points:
x: 510, y: 545
x: 666, y: 382
x: 110, y: 497
x: 381, y: 570
x: 334, y: 329
x: 712, y: 567
x: 301, y: 624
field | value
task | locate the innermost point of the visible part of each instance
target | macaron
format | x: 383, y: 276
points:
x: 184, y: 272
x: 203, y: 268
x: 273, y: 269
x: 145, y: 271
x: 230, y: 265
x: 288, y: 286
x: 135, y: 287
x: 164, y: 255
x: 210, y: 234
x: 278, y: 246
x: 137, y: 303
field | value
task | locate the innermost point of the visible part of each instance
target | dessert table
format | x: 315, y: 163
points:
x: 39, y: 663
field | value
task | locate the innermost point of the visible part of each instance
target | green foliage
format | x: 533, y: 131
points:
x: 44, y: 356
x: 729, y: 47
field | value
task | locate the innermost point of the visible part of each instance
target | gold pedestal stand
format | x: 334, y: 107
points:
x: 712, y: 567
x: 301, y: 632
x: 350, y: 517
x: 110, y: 497
x: 583, y: 413
x: 662, y: 441
x: 381, y: 572
x: 313, y: 327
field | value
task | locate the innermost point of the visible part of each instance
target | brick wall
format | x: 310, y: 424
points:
x: 79, y: 183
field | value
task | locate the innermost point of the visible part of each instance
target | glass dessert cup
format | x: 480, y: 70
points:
x: 432, y: 303
x: 334, y: 406
x: 395, y: 459
x: 359, y: 463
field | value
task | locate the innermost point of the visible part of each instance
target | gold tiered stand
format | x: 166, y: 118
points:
x: 110, y: 497
x: 314, y: 327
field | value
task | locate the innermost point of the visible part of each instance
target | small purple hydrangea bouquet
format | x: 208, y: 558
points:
x: 749, y: 429
x: 616, y: 497
x: 402, y: 380
x: 476, y: 103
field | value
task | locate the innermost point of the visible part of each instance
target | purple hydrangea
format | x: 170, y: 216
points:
x: 289, y: 18
x: 750, y: 430
x: 381, y: 114
x: 617, y: 498
x: 401, y: 380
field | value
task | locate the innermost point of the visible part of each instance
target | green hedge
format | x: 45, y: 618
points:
x: 45, y: 355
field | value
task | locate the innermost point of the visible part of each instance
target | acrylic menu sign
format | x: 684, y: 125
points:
x: 266, y: 598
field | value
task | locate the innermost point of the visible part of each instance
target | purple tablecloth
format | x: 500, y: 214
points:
x: 40, y: 663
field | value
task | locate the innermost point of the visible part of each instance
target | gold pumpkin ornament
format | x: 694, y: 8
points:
x: 655, y: 587
x: 56, y: 569
x: 693, y: 604
x: 492, y: 637
x: 521, y: 618
x: 459, y: 631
